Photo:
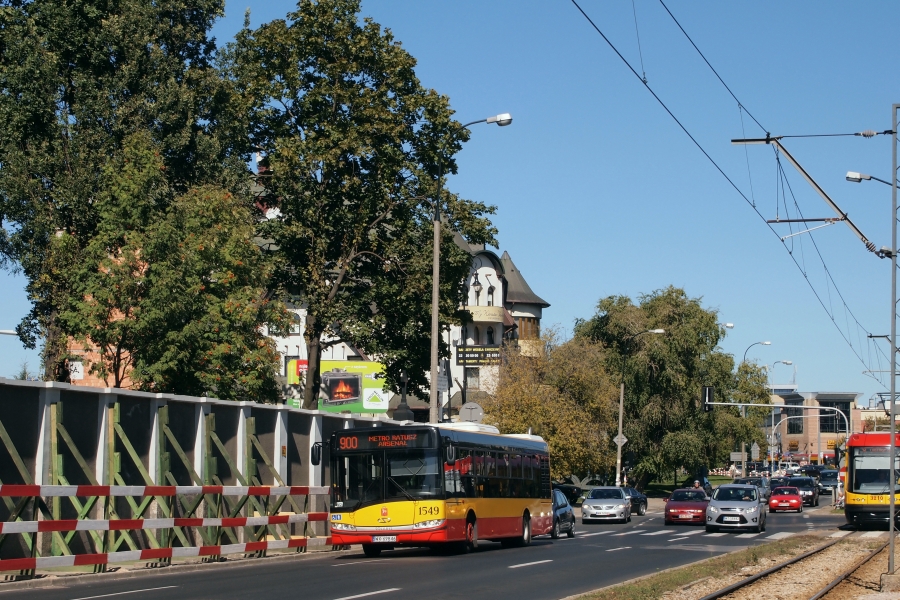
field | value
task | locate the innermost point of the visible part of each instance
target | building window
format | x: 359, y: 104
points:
x: 490, y: 336
x: 476, y: 339
x: 472, y: 378
x: 794, y: 425
x: 830, y: 421
x: 490, y: 296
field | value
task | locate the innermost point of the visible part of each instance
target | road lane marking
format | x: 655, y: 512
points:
x: 359, y: 562
x: 622, y: 548
x: 747, y: 535
x: 369, y: 594
x: 660, y: 532
x: 165, y: 587
x: 687, y: 533
x: 716, y: 534
x: 780, y: 535
x: 872, y: 534
x: 628, y: 532
x: 595, y: 533
x: 839, y: 534
x: 528, y: 564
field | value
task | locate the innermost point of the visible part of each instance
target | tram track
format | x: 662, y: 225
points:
x: 754, y: 586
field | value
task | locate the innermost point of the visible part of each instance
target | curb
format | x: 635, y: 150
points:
x: 69, y: 580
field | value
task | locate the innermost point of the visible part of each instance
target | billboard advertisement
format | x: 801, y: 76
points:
x: 346, y: 385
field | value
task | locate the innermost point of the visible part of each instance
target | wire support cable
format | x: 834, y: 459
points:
x: 731, y: 182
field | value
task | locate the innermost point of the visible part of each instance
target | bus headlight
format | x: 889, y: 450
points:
x: 429, y: 524
x: 343, y: 527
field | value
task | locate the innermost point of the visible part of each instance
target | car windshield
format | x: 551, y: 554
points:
x: 829, y: 475
x: 688, y: 496
x: 600, y: 494
x: 803, y: 482
x: 725, y: 494
x: 785, y: 491
x: 751, y: 481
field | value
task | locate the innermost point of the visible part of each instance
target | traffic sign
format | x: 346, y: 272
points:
x: 754, y: 451
x: 620, y: 439
x: 738, y: 456
x: 471, y: 412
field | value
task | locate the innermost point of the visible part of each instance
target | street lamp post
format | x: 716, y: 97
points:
x: 744, y: 413
x: 619, y: 440
x: 772, y: 442
x: 892, y: 252
x: 435, y: 410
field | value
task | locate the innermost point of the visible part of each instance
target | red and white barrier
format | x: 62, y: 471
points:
x: 128, y: 524
x: 48, y: 491
x: 74, y: 560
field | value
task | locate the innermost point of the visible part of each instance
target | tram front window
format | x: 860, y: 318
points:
x: 871, y: 471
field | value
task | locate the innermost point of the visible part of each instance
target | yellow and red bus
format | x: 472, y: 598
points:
x: 428, y: 485
x: 867, y: 482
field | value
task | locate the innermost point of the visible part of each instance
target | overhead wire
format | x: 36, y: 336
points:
x: 718, y: 168
x: 638, y: 35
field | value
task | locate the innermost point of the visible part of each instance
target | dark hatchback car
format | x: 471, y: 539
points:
x: 828, y: 481
x: 563, y: 516
x: 638, y: 501
x: 809, y: 489
x: 571, y: 491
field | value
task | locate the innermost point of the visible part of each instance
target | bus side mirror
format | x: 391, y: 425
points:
x: 450, y: 455
x: 315, y: 454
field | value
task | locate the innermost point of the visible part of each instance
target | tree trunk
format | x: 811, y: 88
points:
x: 313, y: 355
x: 54, y: 354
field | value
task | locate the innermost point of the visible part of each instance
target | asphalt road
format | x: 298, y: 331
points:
x: 599, y: 555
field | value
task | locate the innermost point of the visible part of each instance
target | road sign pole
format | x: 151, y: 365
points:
x: 619, y: 449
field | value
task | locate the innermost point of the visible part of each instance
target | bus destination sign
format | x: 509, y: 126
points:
x: 377, y: 441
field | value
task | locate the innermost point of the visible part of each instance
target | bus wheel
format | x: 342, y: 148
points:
x: 371, y: 550
x: 526, y: 531
x: 471, y: 534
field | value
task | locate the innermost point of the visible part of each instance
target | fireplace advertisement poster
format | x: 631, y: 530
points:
x: 346, y: 385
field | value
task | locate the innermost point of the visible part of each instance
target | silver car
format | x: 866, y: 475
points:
x: 736, y: 507
x: 607, y: 504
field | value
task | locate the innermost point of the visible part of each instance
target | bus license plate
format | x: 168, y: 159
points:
x: 731, y: 518
x: 384, y: 538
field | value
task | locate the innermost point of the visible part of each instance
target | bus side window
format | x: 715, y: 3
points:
x: 466, y: 473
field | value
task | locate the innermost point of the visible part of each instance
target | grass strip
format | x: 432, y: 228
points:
x: 654, y: 586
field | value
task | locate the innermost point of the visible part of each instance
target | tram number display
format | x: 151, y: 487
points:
x: 376, y: 440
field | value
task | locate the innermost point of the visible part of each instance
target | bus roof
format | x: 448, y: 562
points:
x: 872, y: 439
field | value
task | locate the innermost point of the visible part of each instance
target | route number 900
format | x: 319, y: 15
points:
x: 348, y: 443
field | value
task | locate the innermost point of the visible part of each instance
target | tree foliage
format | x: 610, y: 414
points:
x: 108, y: 131
x: 664, y: 374
x: 352, y: 146
x: 565, y: 395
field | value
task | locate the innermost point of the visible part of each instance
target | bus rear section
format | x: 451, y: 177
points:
x: 868, y: 479
x: 428, y: 486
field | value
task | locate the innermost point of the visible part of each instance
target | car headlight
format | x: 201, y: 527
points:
x: 712, y: 509
x: 751, y: 510
x: 343, y: 527
x: 429, y: 524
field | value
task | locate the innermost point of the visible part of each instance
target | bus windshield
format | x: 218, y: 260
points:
x: 871, y: 469
x: 372, y: 477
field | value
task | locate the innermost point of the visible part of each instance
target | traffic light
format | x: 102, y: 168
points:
x: 707, y: 398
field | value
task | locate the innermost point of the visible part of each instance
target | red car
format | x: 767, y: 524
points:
x: 785, y: 498
x: 686, y: 506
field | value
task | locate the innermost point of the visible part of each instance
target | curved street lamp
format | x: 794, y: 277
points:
x: 619, y: 438
x: 755, y: 344
x: 502, y: 120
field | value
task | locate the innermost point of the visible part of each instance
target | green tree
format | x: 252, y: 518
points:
x: 76, y: 79
x: 352, y: 146
x: 665, y: 423
x: 170, y: 293
x: 564, y: 394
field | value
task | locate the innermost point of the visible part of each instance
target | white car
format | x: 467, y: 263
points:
x: 606, y: 504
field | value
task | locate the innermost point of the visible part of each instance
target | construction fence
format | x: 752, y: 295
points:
x: 92, y: 476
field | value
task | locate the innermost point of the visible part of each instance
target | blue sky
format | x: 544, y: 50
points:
x: 600, y: 192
